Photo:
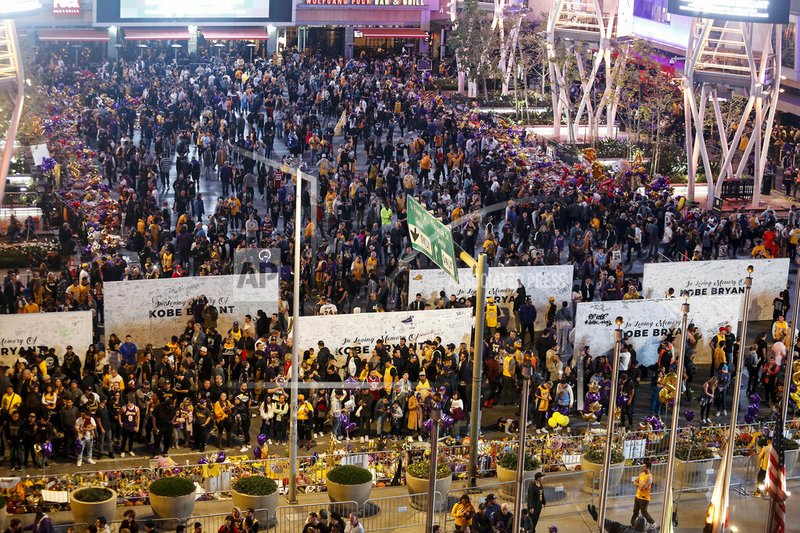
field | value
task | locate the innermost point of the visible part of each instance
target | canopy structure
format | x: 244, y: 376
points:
x: 156, y: 34
x: 391, y: 33
x: 247, y: 33
x: 74, y: 34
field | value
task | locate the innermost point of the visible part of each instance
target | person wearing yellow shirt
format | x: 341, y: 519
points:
x: 304, y: 414
x: 458, y: 212
x: 542, y: 404
x: 462, y: 512
x: 424, y: 168
x: 491, y: 316
x: 643, y: 483
x: 166, y: 263
x: 10, y: 402
x: 222, y: 417
x: 760, y: 252
x: 780, y: 329
x: 389, y: 377
x: 763, y: 462
x: 509, y: 367
x: 423, y: 386
x: 372, y: 263
x: 29, y: 306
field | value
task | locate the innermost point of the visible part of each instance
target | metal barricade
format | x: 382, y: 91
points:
x: 400, y: 512
x: 292, y: 518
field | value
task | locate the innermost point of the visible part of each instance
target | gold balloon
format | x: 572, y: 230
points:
x: 589, y: 417
x: 669, y: 384
x: 796, y: 373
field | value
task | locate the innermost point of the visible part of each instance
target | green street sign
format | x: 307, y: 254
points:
x: 431, y: 237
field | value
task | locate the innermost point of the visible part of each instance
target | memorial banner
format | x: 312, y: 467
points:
x: 540, y: 282
x: 716, y: 278
x: 153, y: 310
x: 44, y: 330
x: 358, y: 333
x: 648, y: 322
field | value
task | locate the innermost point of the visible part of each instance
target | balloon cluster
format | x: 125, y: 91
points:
x: 346, y: 424
x: 654, y: 422
x: 591, y: 406
x: 794, y: 388
x: 752, y: 409
x: 446, y: 421
x: 558, y: 419
x: 669, y: 384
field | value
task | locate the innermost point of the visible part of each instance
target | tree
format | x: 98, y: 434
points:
x: 473, y: 44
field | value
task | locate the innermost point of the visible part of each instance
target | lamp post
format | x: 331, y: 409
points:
x: 666, y: 517
x: 479, y: 270
x: 251, y: 46
x: 436, y: 415
x: 787, y: 379
x: 527, y: 370
x: 298, y: 243
x: 218, y: 46
x: 612, y: 406
x: 728, y: 459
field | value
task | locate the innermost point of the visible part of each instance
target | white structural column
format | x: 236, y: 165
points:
x: 570, y: 24
x: 727, y: 59
x: 10, y: 73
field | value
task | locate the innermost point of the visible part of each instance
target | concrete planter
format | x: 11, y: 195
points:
x: 592, y: 482
x: 349, y: 493
x: 507, y: 477
x: 693, y: 475
x: 418, y: 490
x: 176, y: 507
x: 88, y: 512
x: 246, y: 501
x: 3, y: 518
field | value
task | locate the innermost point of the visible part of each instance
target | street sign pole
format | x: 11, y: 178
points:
x: 479, y: 270
x: 429, y: 236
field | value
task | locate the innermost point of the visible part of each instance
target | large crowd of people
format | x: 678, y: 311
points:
x: 373, y: 132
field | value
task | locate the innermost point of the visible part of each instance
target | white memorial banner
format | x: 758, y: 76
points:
x: 153, y: 310
x: 715, y: 278
x: 40, y: 330
x: 540, y: 282
x: 358, y: 333
x: 648, y: 322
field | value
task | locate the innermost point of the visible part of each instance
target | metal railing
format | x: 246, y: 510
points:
x: 401, y: 512
x: 292, y: 518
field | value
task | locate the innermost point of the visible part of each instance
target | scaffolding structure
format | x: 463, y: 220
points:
x: 570, y: 24
x: 723, y: 59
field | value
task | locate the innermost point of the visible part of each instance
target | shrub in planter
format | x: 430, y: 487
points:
x: 417, y: 483
x: 693, y: 463
x: 592, y: 463
x: 349, y: 483
x: 89, y: 503
x: 3, y: 513
x: 257, y: 492
x: 507, y: 470
x: 172, y: 497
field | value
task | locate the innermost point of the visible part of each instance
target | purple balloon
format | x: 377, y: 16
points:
x: 261, y: 439
x: 202, y: 461
x: 622, y: 399
x: 257, y: 452
x: 755, y: 398
x: 350, y: 427
x: 78, y: 446
x: 344, y: 419
x: 47, y: 448
x: 427, y: 425
x: 176, y: 470
x: 592, y: 397
x: 688, y: 415
x: 447, y: 421
x: 748, y: 418
x: 221, y: 456
x: 752, y: 409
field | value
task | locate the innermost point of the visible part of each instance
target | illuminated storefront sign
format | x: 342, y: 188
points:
x: 390, y: 3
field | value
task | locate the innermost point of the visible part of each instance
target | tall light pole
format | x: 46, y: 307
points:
x: 612, y: 406
x: 722, y: 516
x: 433, y: 463
x: 787, y: 379
x: 523, y: 433
x: 666, y: 516
x: 298, y: 247
x: 479, y: 270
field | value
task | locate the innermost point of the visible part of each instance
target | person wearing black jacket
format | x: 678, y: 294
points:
x: 163, y: 414
x: 536, y: 499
